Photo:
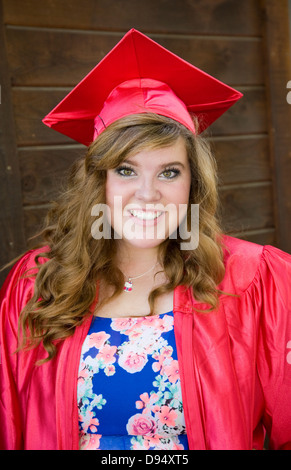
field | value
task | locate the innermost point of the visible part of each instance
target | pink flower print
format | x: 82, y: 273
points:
x: 154, y: 441
x: 145, y: 401
x: 172, y: 371
x: 132, y: 361
x: 89, y: 422
x: 140, y: 446
x: 122, y: 324
x: 97, y: 340
x: 155, y: 409
x: 83, y: 373
x: 157, y: 365
x: 177, y: 446
x: 134, y: 333
x: 167, y: 416
x: 167, y: 323
x: 89, y: 441
x: 94, y: 442
x: 109, y: 370
x: 106, y: 354
x: 166, y: 353
x: 153, y: 321
x: 140, y: 425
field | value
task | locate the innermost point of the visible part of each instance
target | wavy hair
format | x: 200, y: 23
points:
x: 66, y: 284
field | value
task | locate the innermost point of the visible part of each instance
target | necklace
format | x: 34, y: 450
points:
x: 128, y: 284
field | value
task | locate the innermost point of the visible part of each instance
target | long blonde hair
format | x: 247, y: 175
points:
x: 65, y: 285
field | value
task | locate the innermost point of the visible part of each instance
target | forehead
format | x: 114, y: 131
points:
x: 157, y: 155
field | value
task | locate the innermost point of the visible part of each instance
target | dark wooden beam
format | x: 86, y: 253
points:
x: 278, y: 74
x: 11, y: 212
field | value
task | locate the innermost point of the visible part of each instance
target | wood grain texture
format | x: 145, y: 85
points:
x: 11, y: 214
x: 42, y: 57
x: 278, y: 73
x: 222, y: 17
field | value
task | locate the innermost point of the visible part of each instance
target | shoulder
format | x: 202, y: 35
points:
x: 19, y: 284
x: 238, y: 247
x: 242, y: 260
x: 32, y: 258
x: 246, y: 263
x: 28, y: 263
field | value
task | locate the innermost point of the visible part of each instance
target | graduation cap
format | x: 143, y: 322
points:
x: 140, y: 76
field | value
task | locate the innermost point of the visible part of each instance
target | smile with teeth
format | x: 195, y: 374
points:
x: 145, y: 215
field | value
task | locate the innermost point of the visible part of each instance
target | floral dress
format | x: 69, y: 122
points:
x: 129, y: 392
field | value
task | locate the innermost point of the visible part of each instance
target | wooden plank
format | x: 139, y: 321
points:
x: 31, y: 105
x: 11, y: 215
x: 247, y: 207
x: 242, y: 160
x: 44, y: 168
x: 261, y: 237
x: 183, y: 16
x: 278, y: 68
x: 34, y: 222
x: 248, y: 116
x: 58, y: 66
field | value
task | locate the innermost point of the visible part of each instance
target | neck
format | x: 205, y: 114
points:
x: 132, y: 259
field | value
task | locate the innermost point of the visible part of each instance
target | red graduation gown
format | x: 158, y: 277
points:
x: 235, y: 363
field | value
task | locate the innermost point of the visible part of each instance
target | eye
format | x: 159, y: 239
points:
x: 170, y: 173
x: 125, y: 171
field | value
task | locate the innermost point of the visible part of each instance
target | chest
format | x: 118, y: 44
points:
x: 129, y: 393
x: 134, y: 304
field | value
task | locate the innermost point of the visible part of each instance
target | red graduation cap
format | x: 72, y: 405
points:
x: 139, y: 76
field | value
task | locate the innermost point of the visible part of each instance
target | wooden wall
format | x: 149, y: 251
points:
x: 47, y: 47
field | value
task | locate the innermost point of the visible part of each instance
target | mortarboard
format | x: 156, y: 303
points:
x: 138, y: 76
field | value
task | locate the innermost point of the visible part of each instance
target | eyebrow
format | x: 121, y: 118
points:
x: 174, y: 163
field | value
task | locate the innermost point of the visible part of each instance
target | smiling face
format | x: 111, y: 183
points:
x: 148, y: 194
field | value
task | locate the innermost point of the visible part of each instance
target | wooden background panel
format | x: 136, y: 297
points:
x: 242, y: 160
x: 278, y: 73
x: 262, y: 237
x: 12, y: 234
x: 44, y: 168
x: 247, y: 116
x: 247, y: 207
x: 44, y: 171
x: 230, y: 17
x: 31, y: 105
x: 62, y: 58
x: 34, y: 217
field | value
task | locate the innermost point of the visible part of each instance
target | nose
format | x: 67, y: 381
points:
x: 148, y: 190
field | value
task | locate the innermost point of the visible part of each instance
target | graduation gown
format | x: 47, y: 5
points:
x: 235, y: 362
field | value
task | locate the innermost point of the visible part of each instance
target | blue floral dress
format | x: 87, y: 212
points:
x: 129, y: 392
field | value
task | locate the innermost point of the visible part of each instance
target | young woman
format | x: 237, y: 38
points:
x: 119, y: 332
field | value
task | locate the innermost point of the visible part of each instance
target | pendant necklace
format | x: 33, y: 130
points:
x: 128, y: 284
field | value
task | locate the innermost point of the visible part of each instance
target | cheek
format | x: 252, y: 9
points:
x: 113, y: 189
x: 179, y: 193
x: 116, y: 187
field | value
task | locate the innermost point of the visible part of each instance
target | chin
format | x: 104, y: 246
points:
x: 142, y: 244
